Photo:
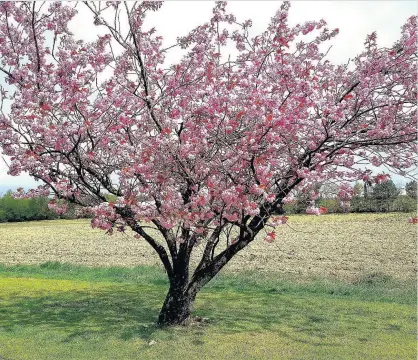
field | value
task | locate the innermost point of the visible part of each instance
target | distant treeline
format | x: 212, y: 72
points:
x: 383, y: 197
x: 358, y: 204
x: 14, y: 210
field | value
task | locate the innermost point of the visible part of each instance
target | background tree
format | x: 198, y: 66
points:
x: 36, y: 208
x: 411, y: 189
x: 384, y: 194
x: 207, y: 149
x: 360, y: 201
x: 357, y: 189
x: 404, y: 203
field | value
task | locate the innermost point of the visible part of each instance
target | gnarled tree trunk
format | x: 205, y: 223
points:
x: 177, y: 307
x: 178, y: 303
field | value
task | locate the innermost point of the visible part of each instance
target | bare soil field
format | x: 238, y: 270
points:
x: 343, y: 246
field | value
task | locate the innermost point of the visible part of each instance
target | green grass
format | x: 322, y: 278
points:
x: 62, y: 311
x: 369, y: 286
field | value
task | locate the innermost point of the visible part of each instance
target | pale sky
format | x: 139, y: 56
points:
x: 355, y: 19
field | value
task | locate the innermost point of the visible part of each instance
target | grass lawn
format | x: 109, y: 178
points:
x: 60, y: 311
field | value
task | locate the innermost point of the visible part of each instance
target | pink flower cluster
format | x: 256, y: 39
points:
x: 208, y: 140
x: 59, y: 207
x: 278, y: 220
x: 104, y: 217
x: 313, y: 211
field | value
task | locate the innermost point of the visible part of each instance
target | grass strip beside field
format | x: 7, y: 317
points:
x: 62, y: 311
x: 368, y: 286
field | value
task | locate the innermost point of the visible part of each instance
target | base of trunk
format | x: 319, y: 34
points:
x: 176, y: 310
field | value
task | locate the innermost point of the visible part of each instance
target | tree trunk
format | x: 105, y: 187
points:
x: 177, y: 307
x: 178, y: 303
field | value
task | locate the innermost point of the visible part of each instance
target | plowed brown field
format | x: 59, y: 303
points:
x: 342, y: 246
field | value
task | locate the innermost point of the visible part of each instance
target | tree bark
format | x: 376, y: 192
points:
x: 177, y: 308
x: 178, y: 303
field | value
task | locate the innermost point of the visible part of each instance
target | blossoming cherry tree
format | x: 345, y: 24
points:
x: 208, y: 149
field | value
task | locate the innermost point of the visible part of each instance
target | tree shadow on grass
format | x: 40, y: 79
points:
x: 258, y: 312
x: 126, y: 312
x: 117, y: 311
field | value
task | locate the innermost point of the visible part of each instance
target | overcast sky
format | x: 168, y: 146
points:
x: 355, y: 19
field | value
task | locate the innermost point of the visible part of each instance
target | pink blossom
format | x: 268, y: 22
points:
x: 271, y: 236
x: 202, y: 142
x: 313, y: 211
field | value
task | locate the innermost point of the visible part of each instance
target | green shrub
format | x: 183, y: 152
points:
x: 289, y: 208
x: 404, y: 203
x: 361, y: 204
x: 12, y: 209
